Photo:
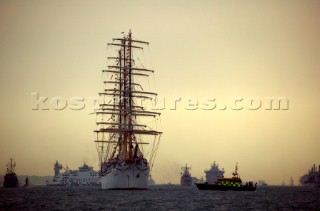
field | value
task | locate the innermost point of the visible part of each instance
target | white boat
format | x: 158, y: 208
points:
x: 214, y: 173
x: 126, y: 142
x: 84, y: 176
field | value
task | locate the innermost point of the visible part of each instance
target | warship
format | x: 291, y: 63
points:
x: 186, y: 179
x: 312, y: 177
x: 126, y: 141
x: 10, y: 178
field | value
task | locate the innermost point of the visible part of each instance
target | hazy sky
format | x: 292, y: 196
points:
x: 218, y: 49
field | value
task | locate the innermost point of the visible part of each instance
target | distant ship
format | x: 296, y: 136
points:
x: 186, y: 179
x: 224, y: 184
x: 126, y: 141
x: 84, y: 176
x: 312, y: 178
x: 10, y: 178
x: 291, y: 181
x: 262, y: 183
x: 214, y: 173
x: 197, y: 180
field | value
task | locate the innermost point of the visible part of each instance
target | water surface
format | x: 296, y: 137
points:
x: 158, y: 198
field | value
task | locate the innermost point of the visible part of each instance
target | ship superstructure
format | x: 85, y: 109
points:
x: 84, y: 176
x: 312, y: 178
x: 186, y: 179
x: 214, y: 173
x: 126, y: 141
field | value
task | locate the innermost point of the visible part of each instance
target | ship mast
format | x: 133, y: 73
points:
x: 117, y: 136
x: 235, y: 173
x: 10, y: 166
x: 186, y: 169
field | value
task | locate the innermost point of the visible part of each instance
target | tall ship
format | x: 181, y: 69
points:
x: 214, y: 173
x: 126, y: 135
x: 10, y: 178
x: 312, y: 177
x: 84, y: 176
x: 186, y: 179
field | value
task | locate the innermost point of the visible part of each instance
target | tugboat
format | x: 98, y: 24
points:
x: 186, y: 179
x: 224, y: 184
x: 10, y: 179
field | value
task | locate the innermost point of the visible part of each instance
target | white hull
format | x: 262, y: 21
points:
x: 127, y: 176
x: 85, y: 176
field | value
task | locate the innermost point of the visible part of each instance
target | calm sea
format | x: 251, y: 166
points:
x: 158, y: 198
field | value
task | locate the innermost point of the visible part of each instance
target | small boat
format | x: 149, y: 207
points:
x: 224, y: 184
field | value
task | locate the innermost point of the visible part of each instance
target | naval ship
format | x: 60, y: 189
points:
x: 312, y: 177
x: 186, y: 179
x: 10, y: 178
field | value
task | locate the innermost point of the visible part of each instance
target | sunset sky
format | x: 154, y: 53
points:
x: 220, y: 49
